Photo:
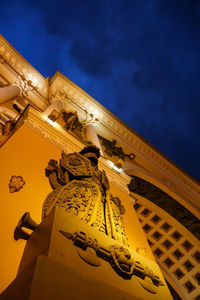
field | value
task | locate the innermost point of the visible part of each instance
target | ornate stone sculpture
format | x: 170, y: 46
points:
x: 83, y: 190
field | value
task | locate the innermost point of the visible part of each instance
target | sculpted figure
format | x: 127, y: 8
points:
x: 83, y: 190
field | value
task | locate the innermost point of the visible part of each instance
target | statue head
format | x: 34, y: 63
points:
x: 92, y: 152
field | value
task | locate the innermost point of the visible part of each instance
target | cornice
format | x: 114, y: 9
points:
x: 129, y: 137
x: 166, y: 185
x: 14, y: 65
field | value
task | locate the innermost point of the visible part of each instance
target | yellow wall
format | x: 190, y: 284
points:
x: 26, y: 154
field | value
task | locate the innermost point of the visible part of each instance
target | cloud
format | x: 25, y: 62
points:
x: 139, y: 58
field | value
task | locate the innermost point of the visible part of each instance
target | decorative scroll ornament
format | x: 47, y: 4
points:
x: 24, y: 85
x: 120, y: 258
x: 60, y: 96
x: 83, y: 190
x: 16, y: 184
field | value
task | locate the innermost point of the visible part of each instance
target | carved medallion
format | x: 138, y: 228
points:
x: 122, y: 261
x: 76, y: 164
x: 16, y: 184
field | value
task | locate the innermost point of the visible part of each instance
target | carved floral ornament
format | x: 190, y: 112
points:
x: 60, y: 96
x: 16, y: 183
x: 24, y: 85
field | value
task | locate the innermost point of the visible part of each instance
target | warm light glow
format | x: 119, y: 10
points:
x: 34, y: 81
x: 54, y: 124
x: 112, y: 165
x: 30, y: 77
x: 117, y: 169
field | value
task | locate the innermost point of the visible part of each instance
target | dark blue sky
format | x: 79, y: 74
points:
x: 139, y: 58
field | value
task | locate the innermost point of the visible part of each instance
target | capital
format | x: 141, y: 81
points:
x: 24, y: 85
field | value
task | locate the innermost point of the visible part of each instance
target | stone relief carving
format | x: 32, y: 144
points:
x: 166, y: 202
x: 83, y: 190
x: 58, y: 95
x: 16, y: 184
x: 120, y: 258
x: 90, y: 119
x: 112, y: 150
x: 72, y: 123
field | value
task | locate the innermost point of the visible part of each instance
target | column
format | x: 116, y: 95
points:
x: 9, y: 92
x: 91, y: 136
x: 20, y: 88
x: 53, y: 110
x: 89, y: 130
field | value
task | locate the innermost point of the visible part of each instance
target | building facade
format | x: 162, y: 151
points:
x: 41, y: 117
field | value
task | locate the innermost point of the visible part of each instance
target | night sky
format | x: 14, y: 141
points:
x: 138, y: 58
